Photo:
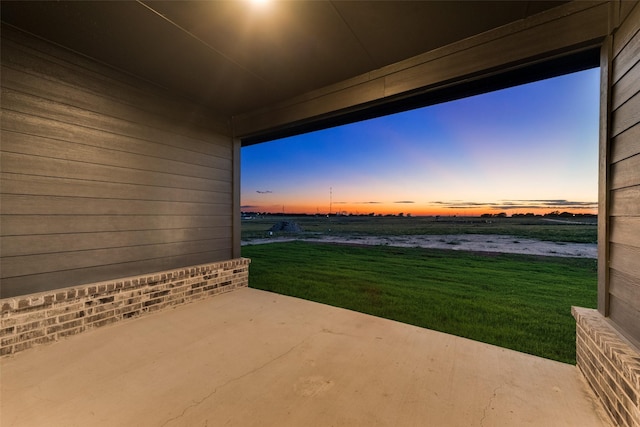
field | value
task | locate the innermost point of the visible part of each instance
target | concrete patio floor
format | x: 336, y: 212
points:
x: 253, y: 358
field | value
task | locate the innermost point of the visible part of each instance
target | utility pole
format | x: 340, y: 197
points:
x: 330, y: 199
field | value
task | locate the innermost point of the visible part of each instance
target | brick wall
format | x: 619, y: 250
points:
x: 44, y: 317
x: 610, y: 364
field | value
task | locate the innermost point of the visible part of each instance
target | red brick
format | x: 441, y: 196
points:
x: 100, y: 316
x: 129, y: 308
x: 73, y: 331
x: 105, y: 322
x: 9, y: 340
x: 54, y: 329
x: 61, y: 313
x: 31, y: 334
x: 28, y: 344
x: 7, y: 331
x: 70, y: 316
x: 28, y: 327
x: 23, y: 346
x: 64, y: 309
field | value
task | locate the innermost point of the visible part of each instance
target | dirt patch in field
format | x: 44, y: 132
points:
x: 459, y: 242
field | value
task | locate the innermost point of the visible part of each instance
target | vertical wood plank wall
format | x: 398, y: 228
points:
x: 624, y: 196
x: 103, y: 175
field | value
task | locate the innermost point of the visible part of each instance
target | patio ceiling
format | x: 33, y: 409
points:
x: 236, y: 58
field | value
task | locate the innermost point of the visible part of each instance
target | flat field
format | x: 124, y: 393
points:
x: 581, y: 230
x: 521, y: 302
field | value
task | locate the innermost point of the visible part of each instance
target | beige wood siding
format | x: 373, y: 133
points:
x: 624, y: 181
x: 104, y: 176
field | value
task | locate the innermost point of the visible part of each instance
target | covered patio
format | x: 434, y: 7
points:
x: 253, y: 358
x: 122, y: 127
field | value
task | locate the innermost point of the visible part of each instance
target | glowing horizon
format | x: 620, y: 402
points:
x: 379, y: 208
x: 527, y: 149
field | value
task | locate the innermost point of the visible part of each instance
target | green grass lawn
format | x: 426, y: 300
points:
x: 515, y: 301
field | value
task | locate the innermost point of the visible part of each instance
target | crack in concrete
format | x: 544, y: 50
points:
x: 493, y: 396
x: 215, y: 390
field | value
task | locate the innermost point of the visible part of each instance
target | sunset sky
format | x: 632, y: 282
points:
x: 531, y: 148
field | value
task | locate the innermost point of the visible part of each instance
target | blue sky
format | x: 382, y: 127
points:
x: 530, y: 148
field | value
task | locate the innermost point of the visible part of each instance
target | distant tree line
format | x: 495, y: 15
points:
x: 247, y: 214
x: 554, y: 214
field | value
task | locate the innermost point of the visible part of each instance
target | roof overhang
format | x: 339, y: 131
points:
x: 280, y: 69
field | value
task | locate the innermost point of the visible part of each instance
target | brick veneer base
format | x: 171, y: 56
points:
x: 610, y: 364
x: 48, y: 316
